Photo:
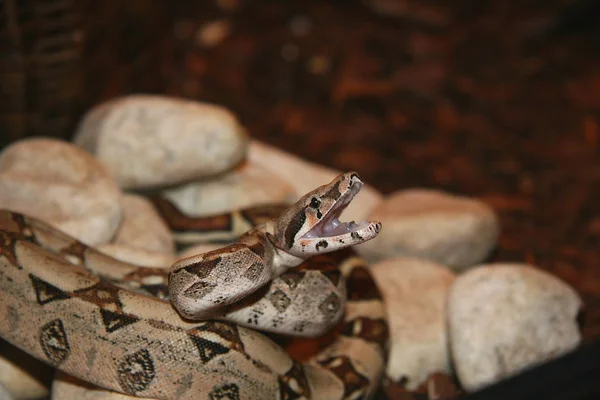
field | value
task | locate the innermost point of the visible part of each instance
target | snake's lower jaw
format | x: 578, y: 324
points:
x: 367, y: 231
x: 362, y: 233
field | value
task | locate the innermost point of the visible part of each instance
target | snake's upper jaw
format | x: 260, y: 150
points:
x: 330, y: 234
x: 312, y: 225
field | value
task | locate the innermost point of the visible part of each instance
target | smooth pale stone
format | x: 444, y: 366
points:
x: 154, y: 141
x: 247, y: 185
x: 66, y: 387
x: 142, y: 227
x: 4, y: 393
x: 21, y: 375
x: 415, y: 292
x: 137, y: 256
x: 305, y: 176
x: 452, y: 230
x: 63, y: 185
x: 506, y: 317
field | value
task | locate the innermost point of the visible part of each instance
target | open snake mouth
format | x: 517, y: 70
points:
x: 331, y: 226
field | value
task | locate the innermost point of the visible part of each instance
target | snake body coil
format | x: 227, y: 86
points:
x: 110, y: 323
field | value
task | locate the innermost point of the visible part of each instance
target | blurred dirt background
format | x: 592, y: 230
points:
x: 497, y: 100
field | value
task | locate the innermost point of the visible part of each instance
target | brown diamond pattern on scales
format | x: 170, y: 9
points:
x: 330, y: 306
x: 45, y: 292
x: 203, y: 268
x: 136, y: 371
x: 138, y: 366
x: 228, y: 391
x: 54, y: 341
x: 254, y: 271
x: 226, y: 338
x: 199, y: 289
x: 208, y: 349
x: 114, y: 321
x: 106, y: 297
x: 280, y: 300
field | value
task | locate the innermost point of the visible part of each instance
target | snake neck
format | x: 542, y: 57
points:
x: 279, y: 259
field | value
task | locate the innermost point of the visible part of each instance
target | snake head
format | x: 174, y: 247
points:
x: 312, y: 225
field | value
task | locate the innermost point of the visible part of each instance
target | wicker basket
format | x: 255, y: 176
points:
x: 40, y: 68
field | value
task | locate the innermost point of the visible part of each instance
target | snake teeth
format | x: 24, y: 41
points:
x: 335, y: 228
x: 331, y: 225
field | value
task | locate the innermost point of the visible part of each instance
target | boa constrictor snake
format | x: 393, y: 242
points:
x: 110, y: 323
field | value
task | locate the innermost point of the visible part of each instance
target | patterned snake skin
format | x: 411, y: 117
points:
x: 110, y: 323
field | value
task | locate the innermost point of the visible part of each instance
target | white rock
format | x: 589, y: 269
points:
x: 66, y: 387
x: 415, y: 292
x: 62, y: 185
x: 21, y: 375
x: 4, y: 393
x: 137, y: 256
x: 305, y: 176
x: 152, y: 141
x: 245, y: 186
x: 452, y: 230
x: 142, y: 227
x: 506, y: 317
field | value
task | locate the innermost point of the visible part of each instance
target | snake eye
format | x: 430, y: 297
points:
x: 315, y: 203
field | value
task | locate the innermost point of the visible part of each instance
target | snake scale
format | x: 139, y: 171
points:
x: 131, y: 329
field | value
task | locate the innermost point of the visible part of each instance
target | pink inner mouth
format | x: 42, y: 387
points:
x: 331, y: 225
